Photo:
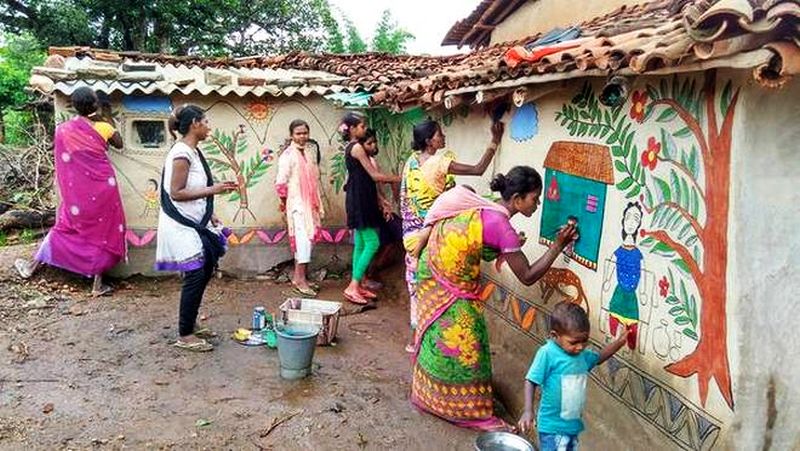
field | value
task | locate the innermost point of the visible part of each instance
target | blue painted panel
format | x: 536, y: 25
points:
x: 147, y: 104
x: 525, y: 123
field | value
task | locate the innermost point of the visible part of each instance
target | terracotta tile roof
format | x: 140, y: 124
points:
x: 656, y: 37
x: 663, y: 35
x: 475, y: 30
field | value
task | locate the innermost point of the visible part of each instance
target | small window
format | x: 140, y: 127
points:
x: 149, y: 134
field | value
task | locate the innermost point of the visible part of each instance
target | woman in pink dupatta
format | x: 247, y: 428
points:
x: 89, y: 235
x: 298, y: 189
x: 452, y: 375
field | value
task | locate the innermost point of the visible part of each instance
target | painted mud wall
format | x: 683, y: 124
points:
x: 247, y: 134
x: 665, y: 218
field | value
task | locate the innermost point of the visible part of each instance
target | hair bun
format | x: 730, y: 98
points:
x: 498, y: 183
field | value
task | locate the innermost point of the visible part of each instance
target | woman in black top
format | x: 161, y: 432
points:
x: 364, y: 214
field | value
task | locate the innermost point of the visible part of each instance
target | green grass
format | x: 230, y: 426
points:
x: 27, y: 236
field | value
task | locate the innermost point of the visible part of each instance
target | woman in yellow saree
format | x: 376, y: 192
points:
x: 452, y: 367
x: 427, y: 174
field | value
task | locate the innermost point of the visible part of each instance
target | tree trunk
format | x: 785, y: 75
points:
x: 2, y: 128
x: 710, y: 359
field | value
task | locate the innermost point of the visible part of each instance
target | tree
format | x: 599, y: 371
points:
x: 19, y: 55
x: 355, y: 44
x: 203, y: 27
x: 389, y: 38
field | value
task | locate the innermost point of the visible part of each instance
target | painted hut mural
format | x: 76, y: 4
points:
x: 575, y: 181
x: 668, y: 129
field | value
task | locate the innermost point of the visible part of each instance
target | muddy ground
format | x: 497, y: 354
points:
x: 85, y: 373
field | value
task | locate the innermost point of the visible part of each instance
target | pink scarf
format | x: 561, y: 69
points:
x: 454, y: 201
x: 309, y: 176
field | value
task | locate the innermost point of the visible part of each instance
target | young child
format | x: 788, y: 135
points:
x: 561, y: 368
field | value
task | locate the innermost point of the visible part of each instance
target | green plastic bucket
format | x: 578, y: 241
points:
x: 296, y: 344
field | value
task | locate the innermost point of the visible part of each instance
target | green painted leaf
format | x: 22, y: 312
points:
x: 667, y: 115
x: 672, y: 300
x: 684, y: 294
x: 725, y: 98
x: 691, y: 240
x: 681, y: 265
x: 683, y: 133
x: 692, y: 162
x: 625, y: 184
x: 685, y: 193
x: 682, y: 320
x: 685, y: 231
x: 662, y: 249
x: 652, y: 93
x: 634, y: 192
x: 647, y: 242
x: 694, y: 208
x: 648, y: 196
x: 664, y: 190
x: 696, y: 253
x: 627, y: 143
x: 234, y: 197
x: 692, y: 310
x: 620, y: 166
x: 663, y: 88
x: 690, y: 333
x: 675, y: 311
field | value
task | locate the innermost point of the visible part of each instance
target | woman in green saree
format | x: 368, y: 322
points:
x: 452, y: 367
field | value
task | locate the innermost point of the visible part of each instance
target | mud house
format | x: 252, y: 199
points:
x: 668, y: 129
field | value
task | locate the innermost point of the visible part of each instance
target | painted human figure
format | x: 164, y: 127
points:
x: 151, y: 203
x: 624, y: 306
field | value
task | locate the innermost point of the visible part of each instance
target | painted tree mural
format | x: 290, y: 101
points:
x: 682, y: 178
x: 227, y: 156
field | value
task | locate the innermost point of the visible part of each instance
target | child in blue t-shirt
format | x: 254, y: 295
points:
x: 561, y: 368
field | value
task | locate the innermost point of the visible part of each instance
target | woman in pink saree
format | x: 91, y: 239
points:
x: 89, y: 235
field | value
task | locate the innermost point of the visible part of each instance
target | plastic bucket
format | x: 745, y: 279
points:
x: 296, y: 343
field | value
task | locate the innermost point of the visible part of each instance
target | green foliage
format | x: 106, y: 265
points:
x: 355, y: 44
x: 18, y: 128
x: 19, y: 54
x: 205, y: 27
x: 27, y: 236
x: 3, y: 238
x: 389, y: 38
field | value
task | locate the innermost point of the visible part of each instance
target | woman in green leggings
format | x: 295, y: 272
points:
x: 364, y: 213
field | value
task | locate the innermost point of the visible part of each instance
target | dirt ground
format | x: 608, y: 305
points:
x: 84, y: 373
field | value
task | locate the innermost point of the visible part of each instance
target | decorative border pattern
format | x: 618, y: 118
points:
x: 684, y: 423
x: 336, y: 236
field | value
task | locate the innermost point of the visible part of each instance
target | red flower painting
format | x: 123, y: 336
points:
x: 639, y: 102
x: 663, y: 286
x: 650, y: 156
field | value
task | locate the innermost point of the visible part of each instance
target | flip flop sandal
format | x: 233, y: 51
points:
x: 205, y: 332
x: 367, y: 294
x: 23, y: 268
x: 197, y: 346
x: 103, y: 291
x: 305, y: 291
x: 355, y: 300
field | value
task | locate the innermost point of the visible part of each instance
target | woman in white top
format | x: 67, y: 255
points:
x: 189, y: 235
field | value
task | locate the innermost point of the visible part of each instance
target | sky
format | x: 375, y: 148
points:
x: 427, y: 20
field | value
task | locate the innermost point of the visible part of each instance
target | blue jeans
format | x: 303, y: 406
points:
x: 558, y: 442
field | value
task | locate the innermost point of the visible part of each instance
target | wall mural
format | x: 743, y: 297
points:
x: 575, y: 182
x: 227, y: 155
x: 681, y: 178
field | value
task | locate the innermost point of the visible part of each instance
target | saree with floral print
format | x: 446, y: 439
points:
x: 452, y: 366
